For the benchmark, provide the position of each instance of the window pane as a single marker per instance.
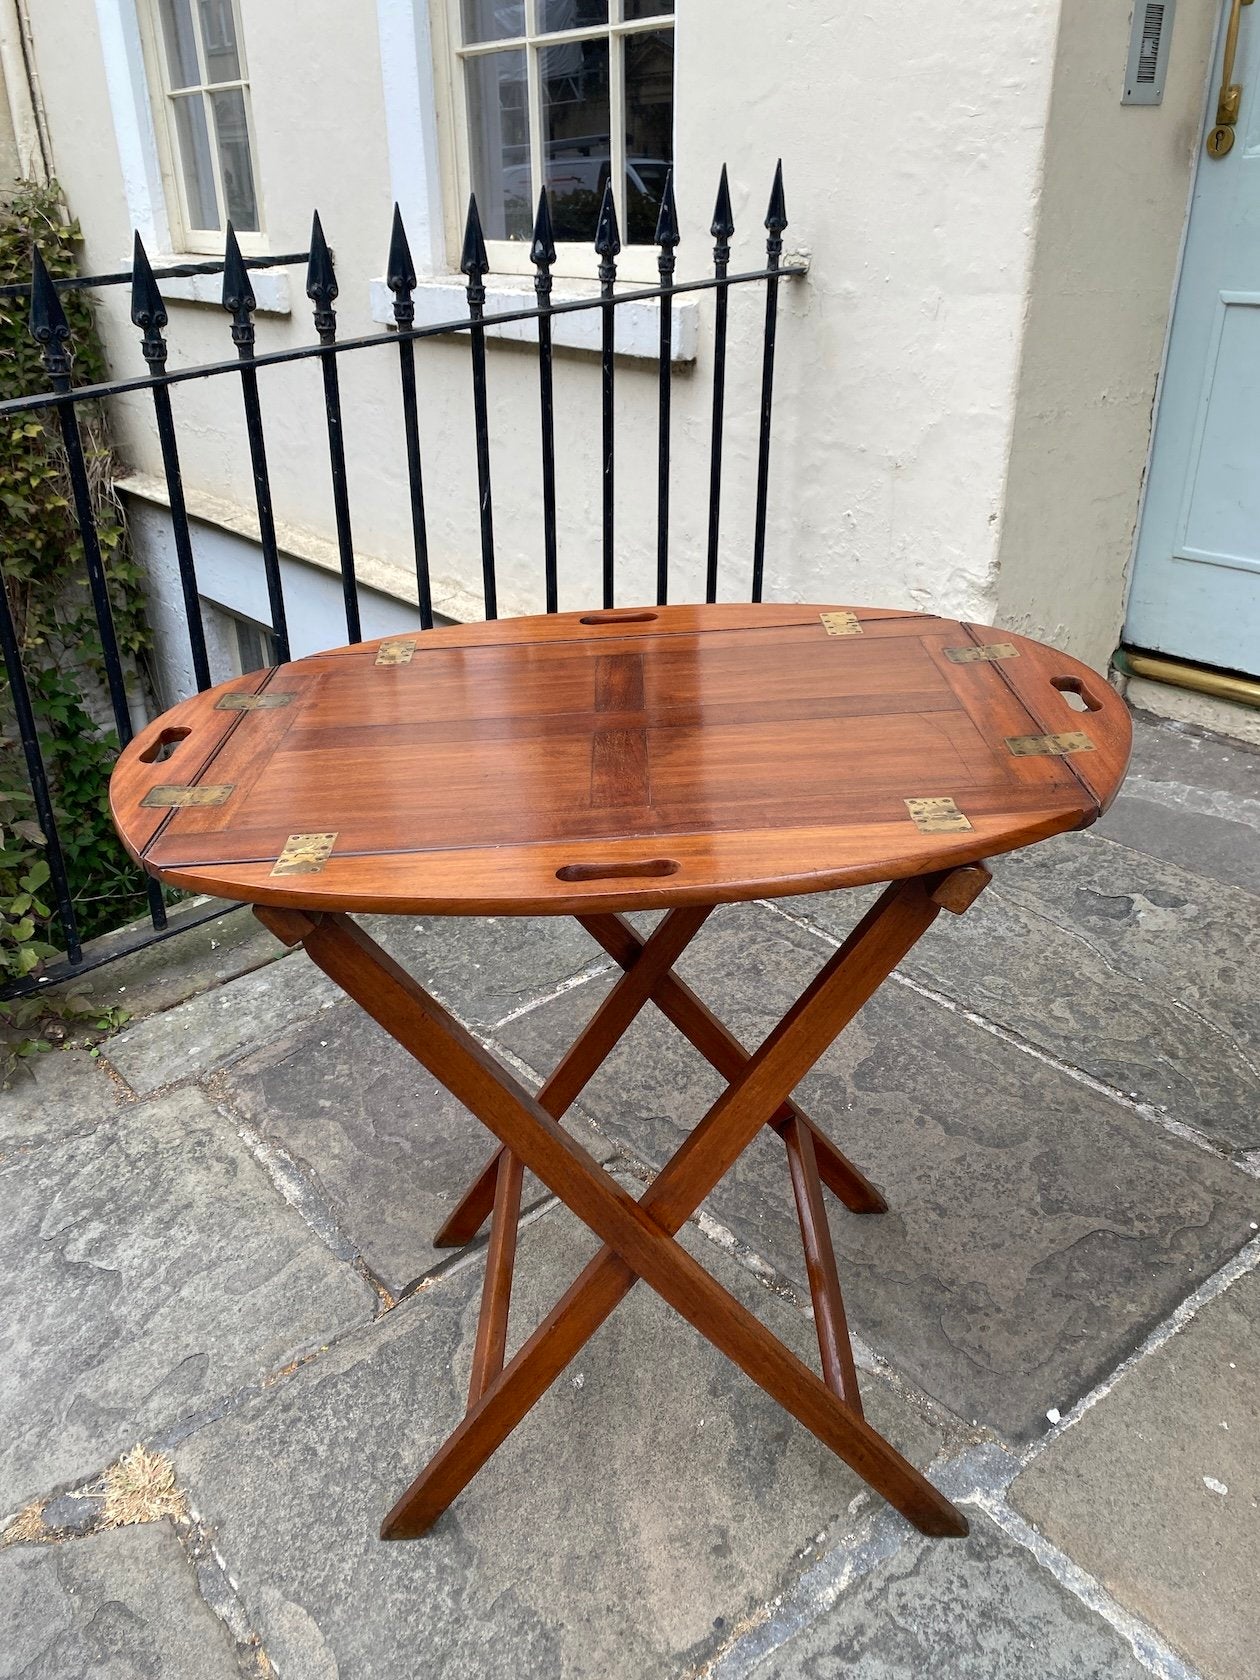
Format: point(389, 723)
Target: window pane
point(181, 48)
point(492, 20)
point(498, 130)
point(570, 14)
point(647, 8)
point(649, 128)
point(576, 134)
point(193, 145)
point(234, 161)
point(218, 41)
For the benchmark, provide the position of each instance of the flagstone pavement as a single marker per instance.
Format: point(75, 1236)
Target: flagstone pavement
point(217, 1242)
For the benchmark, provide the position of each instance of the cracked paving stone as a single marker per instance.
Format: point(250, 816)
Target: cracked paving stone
point(1037, 1229)
point(653, 1489)
point(215, 1028)
point(389, 1148)
point(982, 1608)
point(117, 1606)
point(1156, 1489)
point(151, 1270)
point(1127, 966)
point(484, 967)
point(62, 1094)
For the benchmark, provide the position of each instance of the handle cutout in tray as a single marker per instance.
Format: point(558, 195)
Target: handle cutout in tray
point(613, 617)
point(157, 751)
point(1075, 694)
point(647, 870)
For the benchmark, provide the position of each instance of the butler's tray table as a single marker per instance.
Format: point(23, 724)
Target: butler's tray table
point(673, 758)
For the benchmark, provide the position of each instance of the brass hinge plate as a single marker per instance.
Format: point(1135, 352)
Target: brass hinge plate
point(1049, 746)
point(841, 624)
point(166, 797)
point(937, 816)
point(304, 854)
point(264, 702)
point(396, 653)
point(990, 650)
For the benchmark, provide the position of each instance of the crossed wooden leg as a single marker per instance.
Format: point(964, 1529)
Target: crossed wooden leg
point(638, 1236)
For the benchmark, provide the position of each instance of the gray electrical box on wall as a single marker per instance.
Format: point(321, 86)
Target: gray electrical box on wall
point(1148, 52)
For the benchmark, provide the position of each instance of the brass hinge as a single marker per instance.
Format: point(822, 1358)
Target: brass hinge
point(166, 797)
point(1049, 746)
point(937, 816)
point(990, 650)
point(396, 653)
point(263, 702)
point(304, 854)
point(841, 624)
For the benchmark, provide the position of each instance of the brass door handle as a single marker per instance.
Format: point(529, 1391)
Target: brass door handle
point(1220, 140)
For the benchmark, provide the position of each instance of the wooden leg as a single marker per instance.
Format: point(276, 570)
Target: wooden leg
point(496, 1291)
point(834, 1346)
point(668, 941)
point(639, 1235)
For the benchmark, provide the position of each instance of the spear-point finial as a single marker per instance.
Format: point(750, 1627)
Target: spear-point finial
point(238, 294)
point(607, 233)
point(148, 312)
point(473, 260)
point(723, 225)
point(667, 218)
point(49, 327)
point(542, 252)
point(321, 283)
point(400, 272)
point(776, 215)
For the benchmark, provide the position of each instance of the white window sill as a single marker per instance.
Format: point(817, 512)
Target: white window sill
point(445, 298)
point(271, 286)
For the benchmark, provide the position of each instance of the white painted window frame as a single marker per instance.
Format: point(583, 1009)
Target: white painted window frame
point(636, 262)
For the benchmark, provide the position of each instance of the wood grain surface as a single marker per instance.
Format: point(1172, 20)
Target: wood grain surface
point(621, 760)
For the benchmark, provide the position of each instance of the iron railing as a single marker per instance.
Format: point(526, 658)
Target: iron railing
point(149, 315)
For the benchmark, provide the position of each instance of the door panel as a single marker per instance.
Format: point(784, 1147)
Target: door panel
point(1196, 581)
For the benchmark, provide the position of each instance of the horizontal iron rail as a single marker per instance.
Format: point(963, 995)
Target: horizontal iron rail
point(177, 271)
point(311, 352)
point(111, 947)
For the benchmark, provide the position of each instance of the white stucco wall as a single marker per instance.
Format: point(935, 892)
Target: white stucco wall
point(912, 144)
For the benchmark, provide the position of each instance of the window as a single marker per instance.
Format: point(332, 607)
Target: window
point(203, 87)
point(567, 94)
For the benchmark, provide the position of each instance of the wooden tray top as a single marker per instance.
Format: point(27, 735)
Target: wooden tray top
point(620, 760)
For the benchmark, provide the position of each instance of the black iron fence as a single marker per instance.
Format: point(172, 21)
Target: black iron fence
point(148, 313)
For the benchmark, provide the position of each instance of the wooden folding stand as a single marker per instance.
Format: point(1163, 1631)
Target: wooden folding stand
point(529, 773)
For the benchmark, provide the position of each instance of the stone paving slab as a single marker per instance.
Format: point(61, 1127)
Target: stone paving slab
point(1122, 964)
point(390, 1149)
point(484, 967)
point(150, 1269)
point(1156, 1490)
point(974, 1609)
point(1191, 797)
point(118, 1606)
point(651, 1492)
point(1037, 1228)
point(62, 1094)
point(214, 1028)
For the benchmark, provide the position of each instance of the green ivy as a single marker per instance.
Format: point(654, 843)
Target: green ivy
point(44, 578)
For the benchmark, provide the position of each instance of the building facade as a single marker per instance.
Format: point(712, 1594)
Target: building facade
point(993, 227)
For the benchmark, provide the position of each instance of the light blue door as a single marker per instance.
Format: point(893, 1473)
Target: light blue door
point(1196, 579)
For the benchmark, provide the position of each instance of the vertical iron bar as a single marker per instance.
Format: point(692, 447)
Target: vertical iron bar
point(148, 312)
point(475, 264)
point(51, 331)
point(607, 245)
point(542, 255)
point(722, 229)
point(38, 776)
point(321, 288)
point(776, 221)
point(400, 277)
point(238, 300)
point(667, 239)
